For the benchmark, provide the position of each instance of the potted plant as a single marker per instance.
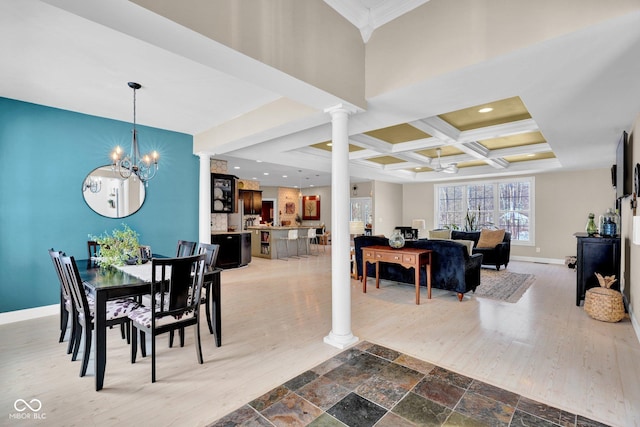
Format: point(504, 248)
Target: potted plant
point(118, 248)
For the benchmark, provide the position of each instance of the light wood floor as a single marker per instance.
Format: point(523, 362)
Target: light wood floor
point(275, 315)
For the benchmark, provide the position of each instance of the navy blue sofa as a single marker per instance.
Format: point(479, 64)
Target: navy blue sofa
point(452, 268)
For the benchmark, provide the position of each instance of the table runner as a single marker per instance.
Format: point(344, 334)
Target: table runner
point(141, 271)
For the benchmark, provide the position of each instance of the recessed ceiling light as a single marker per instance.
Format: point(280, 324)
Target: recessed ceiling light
point(485, 110)
point(236, 167)
point(284, 176)
point(259, 161)
point(266, 173)
point(311, 185)
point(254, 178)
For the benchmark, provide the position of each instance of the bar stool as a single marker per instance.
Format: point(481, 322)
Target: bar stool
point(308, 239)
point(292, 235)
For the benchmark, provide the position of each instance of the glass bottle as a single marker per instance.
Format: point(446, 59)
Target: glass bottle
point(608, 224)
point(591, 228)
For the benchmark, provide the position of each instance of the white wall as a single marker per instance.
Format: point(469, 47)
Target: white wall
point(387, 207)
point(630, 274)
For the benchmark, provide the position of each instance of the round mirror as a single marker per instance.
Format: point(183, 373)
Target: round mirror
point(111, 196)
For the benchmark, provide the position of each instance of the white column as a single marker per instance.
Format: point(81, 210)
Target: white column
point(340, 335)
point(204, 210)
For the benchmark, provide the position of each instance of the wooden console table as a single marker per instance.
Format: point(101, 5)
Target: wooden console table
point(406, 257)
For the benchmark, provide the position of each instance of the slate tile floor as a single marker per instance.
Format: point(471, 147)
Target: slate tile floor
point(370, 385)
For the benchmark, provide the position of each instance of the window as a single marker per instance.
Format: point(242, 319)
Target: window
point(472, 206)
point(361, 209)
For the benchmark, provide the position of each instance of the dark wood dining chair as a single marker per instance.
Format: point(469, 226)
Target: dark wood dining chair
point(67, 309)
point(177, 282)
point(93, 248)
point(145, 253)
point(185, 248)
point(211, 256)
point(117, 310)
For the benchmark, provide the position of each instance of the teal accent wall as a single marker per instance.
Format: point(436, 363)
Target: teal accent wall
point(45, 154)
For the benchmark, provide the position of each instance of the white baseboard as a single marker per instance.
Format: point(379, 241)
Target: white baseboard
point(538, 260)
point(29, 313)
point(634, 322)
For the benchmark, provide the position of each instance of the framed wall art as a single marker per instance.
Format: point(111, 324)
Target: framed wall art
point(311, 208)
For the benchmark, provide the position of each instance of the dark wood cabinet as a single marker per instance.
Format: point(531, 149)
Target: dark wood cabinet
point(235, 249)
point(224, 193)
point(251, 201)
point(596, 255)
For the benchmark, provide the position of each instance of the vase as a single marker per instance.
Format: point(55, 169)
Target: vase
point(396, 240)
point(591, 228)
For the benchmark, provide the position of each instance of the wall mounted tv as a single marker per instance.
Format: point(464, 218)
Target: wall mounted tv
point(623, 167)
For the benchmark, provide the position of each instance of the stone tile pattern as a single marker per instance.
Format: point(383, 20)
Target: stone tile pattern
point(369, 385)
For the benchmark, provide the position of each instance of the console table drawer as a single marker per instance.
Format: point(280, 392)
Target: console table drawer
point(411, 259)
point(368, 254)
point(381, 256)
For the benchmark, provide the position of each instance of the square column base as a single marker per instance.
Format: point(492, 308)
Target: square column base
point(340, 341)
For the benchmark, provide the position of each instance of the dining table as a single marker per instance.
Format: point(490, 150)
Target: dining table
point(111, 283)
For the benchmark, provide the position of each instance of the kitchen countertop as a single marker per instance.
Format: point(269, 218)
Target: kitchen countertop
point(287, 227)
point(228, 232)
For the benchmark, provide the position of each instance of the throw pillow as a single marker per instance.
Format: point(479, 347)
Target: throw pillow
point(468, 243)
point(440, 234)
point(490, 238)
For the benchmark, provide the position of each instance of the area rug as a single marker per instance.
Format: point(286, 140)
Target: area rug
point(503, 285)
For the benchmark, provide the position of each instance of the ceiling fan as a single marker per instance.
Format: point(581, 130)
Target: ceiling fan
point(450, 168)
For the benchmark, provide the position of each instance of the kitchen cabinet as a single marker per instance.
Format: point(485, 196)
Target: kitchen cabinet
point(224, 193)
point(596, 255)
point(235, 249)
point(251, 201)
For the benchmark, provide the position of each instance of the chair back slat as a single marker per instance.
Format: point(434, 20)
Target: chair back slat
point(179, 286)
point(57, 264)
point(76, 287)
point(211, 251)
point(185, 248)
point(145, 253)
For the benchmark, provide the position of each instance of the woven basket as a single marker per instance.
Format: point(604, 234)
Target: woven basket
point(604, 304)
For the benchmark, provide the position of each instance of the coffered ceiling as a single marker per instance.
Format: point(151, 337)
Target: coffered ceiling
point(558, 103)
point(493, 135)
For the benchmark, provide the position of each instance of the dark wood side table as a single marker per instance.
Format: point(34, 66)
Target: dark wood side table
point(596, 255)
point(406, 257)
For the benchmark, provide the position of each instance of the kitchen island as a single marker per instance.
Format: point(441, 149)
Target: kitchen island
point(264, 240)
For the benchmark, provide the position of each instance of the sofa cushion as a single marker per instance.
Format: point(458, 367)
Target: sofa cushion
point(490, 238)
point(440, 234)
point(468, 243)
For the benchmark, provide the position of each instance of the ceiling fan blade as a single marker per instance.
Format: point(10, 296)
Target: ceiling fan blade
point(451, 168)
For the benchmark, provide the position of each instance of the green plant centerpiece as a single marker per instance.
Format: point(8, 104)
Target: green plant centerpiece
point(118, 248)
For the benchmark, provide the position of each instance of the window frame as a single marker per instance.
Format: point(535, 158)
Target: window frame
point(496, 194)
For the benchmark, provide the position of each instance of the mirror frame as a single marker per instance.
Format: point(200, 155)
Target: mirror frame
point(107, 180)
